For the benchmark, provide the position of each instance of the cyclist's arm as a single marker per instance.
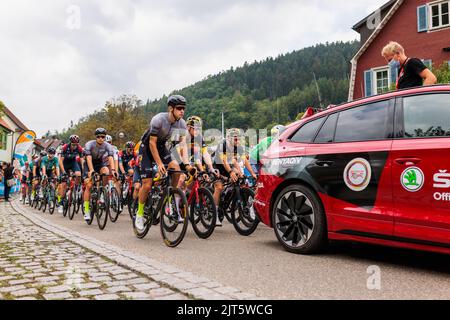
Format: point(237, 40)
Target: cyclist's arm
point(207, 159)
point(61, 165)
point(112, 163)
point(122, 169)
point(89, 163)
point(44, 167)
point(184, 151)
point(249, 167)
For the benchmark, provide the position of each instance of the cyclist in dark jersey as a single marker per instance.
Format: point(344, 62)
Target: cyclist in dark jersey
point(230, 158)
point(125, 158)
point(37, 173)
point(99, 159)
point(153, 150)
point(68, 163)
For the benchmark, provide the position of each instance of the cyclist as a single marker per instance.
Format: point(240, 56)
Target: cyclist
point(99, 159)
point(68, 162)
point(37, 173)
point(197, 148)
point(49, 165)
point(257, 152)
point(24, 179)
point(125, 158)
point(230, 158)
point(109, 140)
point(153, 150)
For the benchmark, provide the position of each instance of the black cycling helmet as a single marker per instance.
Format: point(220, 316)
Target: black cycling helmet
point(74, 139)
point(176, 100)
point(51, 151)
point(130, 145)
point(100, 131)
point(43, 154)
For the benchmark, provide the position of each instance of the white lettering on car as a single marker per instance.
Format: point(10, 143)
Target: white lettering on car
point(442, 180)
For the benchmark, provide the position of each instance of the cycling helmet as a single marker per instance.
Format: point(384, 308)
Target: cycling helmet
point(100, 131)
point(176, 100)
point(74, 139)
point(51, 151)
point(43, 154)
point(130, 145)
point(235, 132)
point(108, 139)
point(195, 122)
point(277, 130)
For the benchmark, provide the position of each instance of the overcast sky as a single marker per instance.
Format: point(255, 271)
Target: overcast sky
point(61, 60)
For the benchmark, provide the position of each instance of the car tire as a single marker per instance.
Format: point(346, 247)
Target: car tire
point(299, 220)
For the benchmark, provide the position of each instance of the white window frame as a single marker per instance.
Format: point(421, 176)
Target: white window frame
point(375, 80)
point(430, 14)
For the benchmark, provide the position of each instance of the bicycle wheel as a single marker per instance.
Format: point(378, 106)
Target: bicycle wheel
point(102, 211)
point(66, 203)
point(203, 214)
point(51, 200)
point(114, 205)
point(148, 216)
point(245, 220)
point(174, 218)
point(73, 204)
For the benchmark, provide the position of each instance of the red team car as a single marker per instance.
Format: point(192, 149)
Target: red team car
point(376, 170)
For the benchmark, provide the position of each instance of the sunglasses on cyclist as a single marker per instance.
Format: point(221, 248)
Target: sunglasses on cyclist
point(180, 108)
point(101, 137)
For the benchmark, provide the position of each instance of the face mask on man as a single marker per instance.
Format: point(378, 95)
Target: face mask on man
point(394, 64)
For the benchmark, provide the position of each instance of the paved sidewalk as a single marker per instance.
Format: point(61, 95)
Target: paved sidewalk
point(40, 260)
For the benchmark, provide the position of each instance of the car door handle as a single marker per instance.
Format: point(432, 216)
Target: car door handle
point(408, 161)
point(324, 163)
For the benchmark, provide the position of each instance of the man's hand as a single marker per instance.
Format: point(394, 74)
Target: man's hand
point(161, 170)
point(233, 176)
point(192, 170)
point(114, 173)
point(90, 173)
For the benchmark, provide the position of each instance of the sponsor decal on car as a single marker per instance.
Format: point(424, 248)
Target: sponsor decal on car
point(412, 179)
point(286, 162)
point(357, 174)
point(441, 181)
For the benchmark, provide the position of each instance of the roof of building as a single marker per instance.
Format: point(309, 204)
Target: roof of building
point(48, 142)
point(383, 7)
point(5, 125)
point(14, 119)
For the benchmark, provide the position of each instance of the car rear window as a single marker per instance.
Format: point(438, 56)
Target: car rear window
point(365, 123)
point(427, 116)
point(307, 132)
point(326, 134)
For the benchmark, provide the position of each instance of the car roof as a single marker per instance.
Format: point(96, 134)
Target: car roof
point(371, 99)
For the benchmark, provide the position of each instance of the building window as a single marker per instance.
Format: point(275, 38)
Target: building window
point(440, 15)
point(382, 81)
point(3, 139)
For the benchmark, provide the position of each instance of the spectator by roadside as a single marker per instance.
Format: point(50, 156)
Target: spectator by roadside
point(8, 179)
point(411, 71)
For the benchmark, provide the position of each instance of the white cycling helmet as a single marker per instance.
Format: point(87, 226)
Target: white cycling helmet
point(108, 139)
point(277, 130)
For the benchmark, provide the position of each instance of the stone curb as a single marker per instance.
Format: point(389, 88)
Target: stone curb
point(185, 282)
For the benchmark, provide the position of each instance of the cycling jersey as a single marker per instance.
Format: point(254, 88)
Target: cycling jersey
point(260, 149)
point(49, 164)
point(161, 128)
point(70, 154)
point(99, 153)
point(126, 159)
point(229, 151)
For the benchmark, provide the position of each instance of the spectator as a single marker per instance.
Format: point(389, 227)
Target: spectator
point(8, 178)
point(411, 71)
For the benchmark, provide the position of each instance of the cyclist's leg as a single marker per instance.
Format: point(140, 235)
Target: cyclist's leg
point(146, 171)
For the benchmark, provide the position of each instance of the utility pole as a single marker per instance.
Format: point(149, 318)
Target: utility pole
point(318, 91)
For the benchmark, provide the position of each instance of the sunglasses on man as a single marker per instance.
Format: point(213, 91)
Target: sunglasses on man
point(101, 137)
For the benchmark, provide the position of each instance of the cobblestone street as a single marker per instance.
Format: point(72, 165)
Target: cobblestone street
point(37, 264)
